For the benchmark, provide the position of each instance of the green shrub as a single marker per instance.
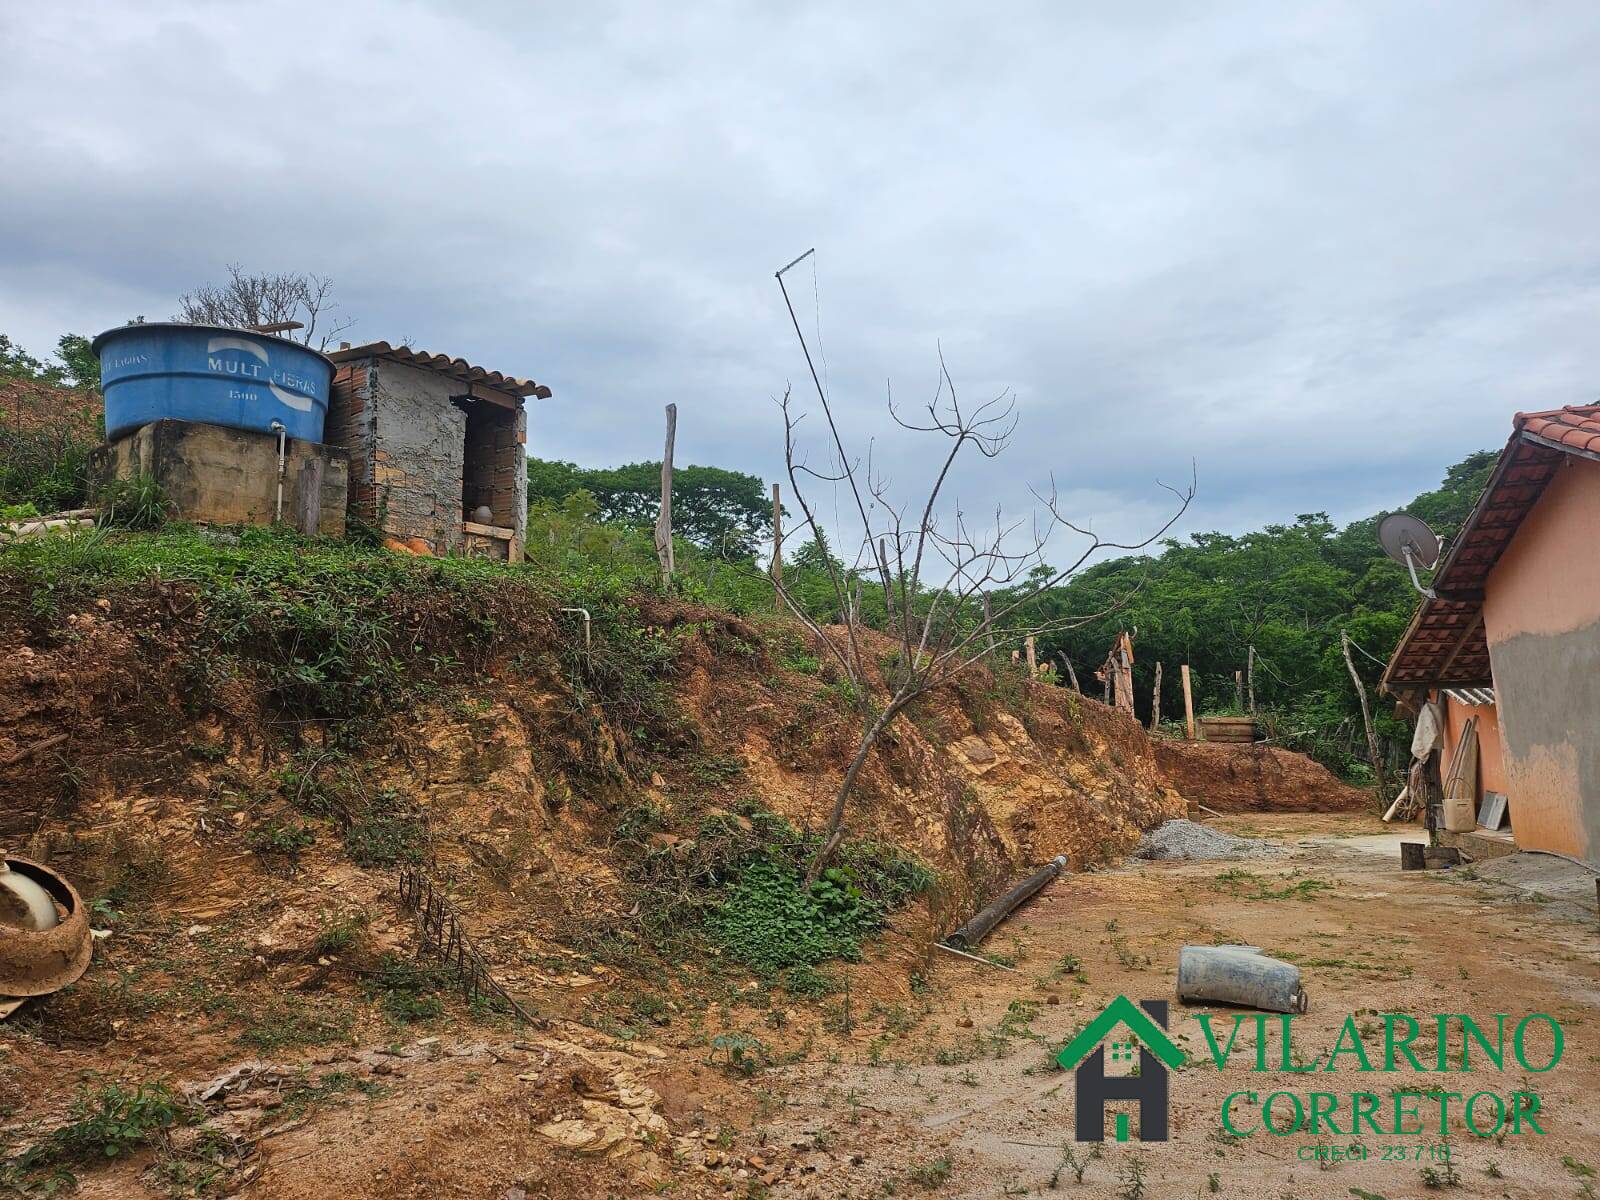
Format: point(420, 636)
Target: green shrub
point(740, 1053)
point(137, 502)
point(769, 920)
point(384, 838)
point(106, 1122)
point(282, 840)
point(408, 991)
point(805, 982)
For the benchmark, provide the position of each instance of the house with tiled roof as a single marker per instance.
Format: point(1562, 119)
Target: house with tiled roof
point(1511, 634)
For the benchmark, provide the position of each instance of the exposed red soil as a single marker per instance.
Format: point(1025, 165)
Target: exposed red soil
point(1246, 778)
point(29, 408)
point(164, 788)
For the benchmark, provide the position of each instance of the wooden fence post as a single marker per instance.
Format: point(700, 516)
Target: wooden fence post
point(777, 550)
point(1250, 679)
point(1071, 674)
point(1124, 660)
point(664, 521)
point(1188, 702)
point(1155, 701)
point(1033, 663)
point(1366, 717)
point(1238, 690)
point(987, 627)
point(888, 584)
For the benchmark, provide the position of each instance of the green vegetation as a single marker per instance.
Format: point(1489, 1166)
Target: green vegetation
point(769, 920)
point(327, 630)
point(739, 1053)
point(47, 430)
point(296, 1021)
point(723, 512)
point(931, 1174)
point(1287, 590)
point(738, 886)
point(133, 503)
point(105, 1122)
point(408, 991)
point(76, 366)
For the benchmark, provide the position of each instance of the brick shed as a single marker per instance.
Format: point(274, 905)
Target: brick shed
point(437, 448)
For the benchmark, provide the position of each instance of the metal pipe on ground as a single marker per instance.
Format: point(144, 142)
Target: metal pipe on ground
point(975, 930)
point(1239, 975)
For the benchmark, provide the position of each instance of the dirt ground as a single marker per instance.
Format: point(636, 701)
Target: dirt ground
point(954, 1093)
point(969, 1103)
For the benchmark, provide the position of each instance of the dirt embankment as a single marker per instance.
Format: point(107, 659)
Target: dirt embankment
point(246, 921)
point(31, 408)
point(1245, 778)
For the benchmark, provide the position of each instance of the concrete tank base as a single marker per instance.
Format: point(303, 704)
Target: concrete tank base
point(216, 475)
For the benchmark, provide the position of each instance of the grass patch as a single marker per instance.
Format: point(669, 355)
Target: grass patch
point(294, 1021)
point(738, 887)
point(105, 1122)
point(408, 991)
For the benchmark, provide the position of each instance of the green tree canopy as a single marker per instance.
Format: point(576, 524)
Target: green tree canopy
point(725, 512)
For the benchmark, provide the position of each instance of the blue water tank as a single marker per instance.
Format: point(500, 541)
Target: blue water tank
point(211, 374)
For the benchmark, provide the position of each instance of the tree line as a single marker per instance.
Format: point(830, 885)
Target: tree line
point(1205, 599)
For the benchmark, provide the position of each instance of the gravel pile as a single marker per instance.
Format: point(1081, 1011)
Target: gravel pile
point(1188, 839)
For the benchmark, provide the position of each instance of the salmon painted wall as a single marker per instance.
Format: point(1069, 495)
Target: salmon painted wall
point(1491, 765)
point(1542, 617)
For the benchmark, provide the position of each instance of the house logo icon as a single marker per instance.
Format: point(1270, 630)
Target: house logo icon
point(1142, 1026)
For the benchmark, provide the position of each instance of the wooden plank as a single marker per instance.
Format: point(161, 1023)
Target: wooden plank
point(1155, 701)
point(664, 520)
point(777, 548)
point(1366, 717)
point(1188, 702)
point(310, 496)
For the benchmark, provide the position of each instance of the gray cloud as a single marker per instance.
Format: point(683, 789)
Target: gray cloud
point(1321, 250)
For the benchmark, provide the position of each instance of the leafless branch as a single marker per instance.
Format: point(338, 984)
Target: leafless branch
point(938, 569)
point(246, 300)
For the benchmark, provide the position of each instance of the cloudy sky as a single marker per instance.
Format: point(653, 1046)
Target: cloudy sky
point(1322, 250)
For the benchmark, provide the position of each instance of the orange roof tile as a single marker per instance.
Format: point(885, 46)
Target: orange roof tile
point(1444, 643)
point(1576, 428)
point(456, 368)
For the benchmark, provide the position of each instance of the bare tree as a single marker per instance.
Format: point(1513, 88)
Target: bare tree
point(935, 568)
point(247, 300)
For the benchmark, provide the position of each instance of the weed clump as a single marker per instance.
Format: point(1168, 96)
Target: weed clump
point(769, 920)
point(105, 1123)
point(739, 885)
point(408, 991)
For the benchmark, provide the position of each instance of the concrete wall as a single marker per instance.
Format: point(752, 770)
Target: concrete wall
point(416, 463)
point(224, 476)
point(1491, 758)
point(408, 440)
point(1542, 618)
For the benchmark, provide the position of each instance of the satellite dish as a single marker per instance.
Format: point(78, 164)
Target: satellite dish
point(1410, 542)
point(1400, 532)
